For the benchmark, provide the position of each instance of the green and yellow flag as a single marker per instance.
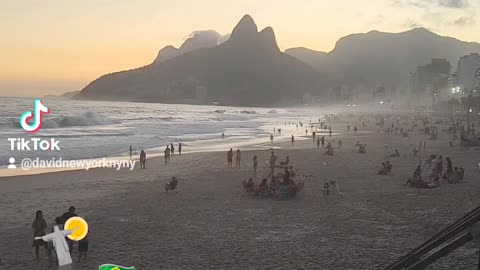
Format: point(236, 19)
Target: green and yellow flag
point(109, 266)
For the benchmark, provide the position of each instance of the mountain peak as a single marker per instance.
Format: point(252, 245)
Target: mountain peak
point(267, 38)
point(246, 27)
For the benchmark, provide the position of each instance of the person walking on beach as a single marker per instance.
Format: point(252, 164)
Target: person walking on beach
point(223, 135)
point(271, 138)
point(39, 225)
point(330, 131)
point(180, 148)
point(255, 165)
point(323, 141)
point(230, 158)
point(313, 135)
point(131, 152)
point(293, 139)
point(143, 159)
point(172, 149)
point(238, 159)
point(318, 142)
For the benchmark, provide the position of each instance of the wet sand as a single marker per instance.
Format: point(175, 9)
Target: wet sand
point(212, 224)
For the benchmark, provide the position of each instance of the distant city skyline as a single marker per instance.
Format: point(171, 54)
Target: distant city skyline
point(51, 47)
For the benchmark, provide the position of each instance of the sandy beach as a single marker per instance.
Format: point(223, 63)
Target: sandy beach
point(211, 223)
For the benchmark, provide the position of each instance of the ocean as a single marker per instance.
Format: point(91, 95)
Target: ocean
point(97, 129)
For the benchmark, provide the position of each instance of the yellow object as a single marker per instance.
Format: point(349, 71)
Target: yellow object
point(79, 227)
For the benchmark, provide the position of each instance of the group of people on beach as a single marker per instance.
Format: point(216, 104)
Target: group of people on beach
point(238, 158)
point(167, 153)
point(39, 227)
point(435, 164)
point(281, 185)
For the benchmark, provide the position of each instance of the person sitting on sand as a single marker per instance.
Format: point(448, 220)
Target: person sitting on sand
point(362, 149)
point(383, 170)
point(249, 185)
point(388, 167)
point(329, 151)
point(326, 189)
point(357, 144)
point(286, 162)
point(293, 174)
point(396, 154)
point(172, 185)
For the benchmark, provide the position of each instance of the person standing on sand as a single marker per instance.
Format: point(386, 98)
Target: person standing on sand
point(223, 135)
point(39, 225)
point(143, 159)
point(166, 155)
point(323, 141)
point(131, 152)
point(273, 161)
point(238, 159)
point(255, 165)
point(271, 138)
point(172, 149)
point(318, 142)
point(293, 139)
point(180, 148)
point(330, 131)
point(313, 135)
point(230, 158)
point(63, 218)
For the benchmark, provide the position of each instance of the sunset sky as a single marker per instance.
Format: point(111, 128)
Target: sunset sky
point(55, 46)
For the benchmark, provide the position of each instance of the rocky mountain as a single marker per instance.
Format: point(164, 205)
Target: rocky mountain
point(388, 58)
point(248, 69)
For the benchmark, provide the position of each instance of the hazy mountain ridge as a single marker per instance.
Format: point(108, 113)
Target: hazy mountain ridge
point(387, 58)
point(198, 40)
point(248, 69)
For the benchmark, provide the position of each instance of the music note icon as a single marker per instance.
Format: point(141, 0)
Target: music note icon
point(38, 110)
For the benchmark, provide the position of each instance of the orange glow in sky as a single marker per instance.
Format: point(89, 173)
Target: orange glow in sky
point(56, 46)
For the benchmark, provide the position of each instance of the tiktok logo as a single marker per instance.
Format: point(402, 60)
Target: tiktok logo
point(38, 110)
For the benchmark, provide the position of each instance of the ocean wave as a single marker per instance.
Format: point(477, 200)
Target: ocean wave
point(272, 111)
point(83, 119)
point(220, 111)
point(248, 112)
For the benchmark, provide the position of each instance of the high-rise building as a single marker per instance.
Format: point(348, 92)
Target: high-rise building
point(431, 80)
point(467, 66)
